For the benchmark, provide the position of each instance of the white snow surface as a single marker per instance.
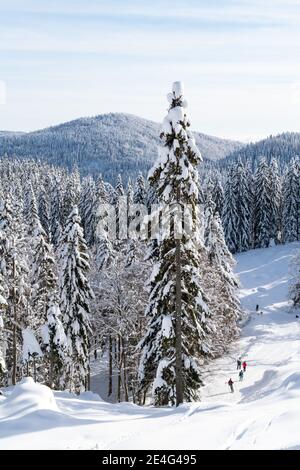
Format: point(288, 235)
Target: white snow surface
point(2, 301)
point(30, 345)
point(262, 413)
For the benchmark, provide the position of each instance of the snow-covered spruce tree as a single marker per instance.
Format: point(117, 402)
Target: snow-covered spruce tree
point(222, 284)
point(209, 187)
point(45, 302)
point(262, 215)
point(129, 193)
point(55, 213)
point(230, 214)
point(43, 210)
point(237, 212)
point(179, 319)
point(291, 203)
point(218, 197)
point(103, 246)
point(209, 212)
point(276, 201)
point(119, 189)
point(75, 294)
point(118, 201)
point(140, 192)
point(54, 344)
point(86, 209)
point(33, 222)
point(72, 194)
point(101, 191)
point(14, 274)
point(243, 202)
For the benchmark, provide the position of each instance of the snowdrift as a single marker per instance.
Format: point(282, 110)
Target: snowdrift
point(26, 397)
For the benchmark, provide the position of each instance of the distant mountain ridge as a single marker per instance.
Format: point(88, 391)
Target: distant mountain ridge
point(108, 144)
point(283, 147)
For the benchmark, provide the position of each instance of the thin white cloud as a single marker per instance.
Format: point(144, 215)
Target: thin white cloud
point(2, 92)
point(240, 10)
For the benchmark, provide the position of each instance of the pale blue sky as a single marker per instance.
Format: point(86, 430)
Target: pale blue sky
point(239, 60)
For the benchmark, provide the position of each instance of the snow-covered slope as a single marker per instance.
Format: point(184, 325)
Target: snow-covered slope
point(262, 413)
point(108, 144)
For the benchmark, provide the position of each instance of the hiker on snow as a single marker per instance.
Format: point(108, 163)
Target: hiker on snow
point(230, 383)
point(244, 366)
point(241, 375)
point(238, 363)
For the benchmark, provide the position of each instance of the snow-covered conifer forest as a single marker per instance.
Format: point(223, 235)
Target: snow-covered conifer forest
point(74, 296)
point(103, 290)
point(149, 229)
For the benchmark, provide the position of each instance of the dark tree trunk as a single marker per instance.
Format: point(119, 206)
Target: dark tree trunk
point(178, 305)
point(125, 384)
point(119, 359)
point(110, 362)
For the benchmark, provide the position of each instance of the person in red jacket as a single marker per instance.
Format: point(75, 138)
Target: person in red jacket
point(244, 366)
point(230, 383)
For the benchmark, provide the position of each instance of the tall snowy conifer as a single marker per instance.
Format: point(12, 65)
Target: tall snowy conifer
point(218, 197)
point(243, 202)
point(291, 203)
point(179, 319)
point(72, 194)
point(14, 272)
point(230, 214)
point(55, 213)
point(43, 210)
point(263, 230)
point(86, 208)
point(46, 309)
point(140, 193)
point(75, 293)
point(222, 285)
point(276, 202)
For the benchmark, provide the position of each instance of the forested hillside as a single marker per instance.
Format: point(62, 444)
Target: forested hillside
point(109, 144)
point(282, 147)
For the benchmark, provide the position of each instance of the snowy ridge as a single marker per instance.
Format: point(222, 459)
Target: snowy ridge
point(283, 147)
point(262, 413)
point(108, 144)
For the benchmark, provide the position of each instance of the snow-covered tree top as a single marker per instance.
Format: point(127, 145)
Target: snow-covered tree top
point(179, 156)
point(178, 89)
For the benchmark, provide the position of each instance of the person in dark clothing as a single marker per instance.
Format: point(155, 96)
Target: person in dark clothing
point(241, 375)
point(257, 307)
point(244, 366)
point(230, 383)
point(238, 363)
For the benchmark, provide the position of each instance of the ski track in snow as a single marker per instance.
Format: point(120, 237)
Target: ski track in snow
point(262, 413)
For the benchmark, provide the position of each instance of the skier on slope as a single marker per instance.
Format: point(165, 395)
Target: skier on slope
point(244, 366)
point(241, 375)
point(257, 307)
point(238, 363)
point(230, 383)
